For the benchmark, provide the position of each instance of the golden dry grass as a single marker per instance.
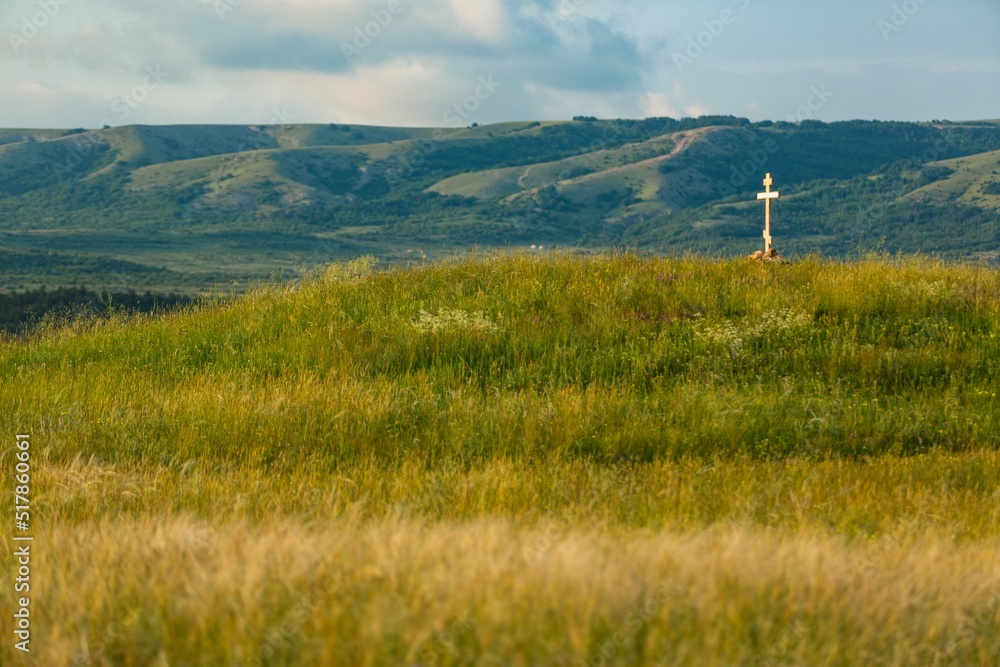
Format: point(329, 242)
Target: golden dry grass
point(400, 591)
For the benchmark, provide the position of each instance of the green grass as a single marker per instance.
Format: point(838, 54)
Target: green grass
point(523, 460)
point(968, 184)
point(500, 183)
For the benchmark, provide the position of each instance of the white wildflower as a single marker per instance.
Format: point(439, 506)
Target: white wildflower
point(772, 324)
point(924, 289)
point(447, 319)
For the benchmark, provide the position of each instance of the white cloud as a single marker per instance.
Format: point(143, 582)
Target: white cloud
point(554, 104)
point(658, 104)
point(697, 109)
point(607, 58)
point(483, 19)
point(310, 15)
point(386, 94)
point(827, 65)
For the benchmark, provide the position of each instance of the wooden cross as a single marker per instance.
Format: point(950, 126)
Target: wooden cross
point(767, 196)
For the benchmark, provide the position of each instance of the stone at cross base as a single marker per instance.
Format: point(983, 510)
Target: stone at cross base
point(771, 256)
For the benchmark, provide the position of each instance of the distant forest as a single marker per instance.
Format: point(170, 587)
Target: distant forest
point(19, 311)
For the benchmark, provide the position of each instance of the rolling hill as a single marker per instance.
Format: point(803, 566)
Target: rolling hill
point(186, 207)
point(520, 459)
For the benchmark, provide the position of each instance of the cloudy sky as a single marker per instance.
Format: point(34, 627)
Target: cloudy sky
point(83, 63)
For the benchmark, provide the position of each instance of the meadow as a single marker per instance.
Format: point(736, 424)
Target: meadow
point(520, 459)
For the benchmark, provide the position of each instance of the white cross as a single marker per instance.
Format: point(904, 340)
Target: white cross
point(767, 196)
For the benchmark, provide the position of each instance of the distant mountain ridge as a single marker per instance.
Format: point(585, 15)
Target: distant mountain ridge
point(182, 207)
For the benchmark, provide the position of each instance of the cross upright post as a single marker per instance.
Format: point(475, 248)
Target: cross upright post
point(767, 196)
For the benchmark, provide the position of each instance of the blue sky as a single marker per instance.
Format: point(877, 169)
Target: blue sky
point(83, 63)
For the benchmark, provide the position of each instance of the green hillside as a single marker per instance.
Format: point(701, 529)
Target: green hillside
point(188, 207)
point(520, 460)
point(974, 182)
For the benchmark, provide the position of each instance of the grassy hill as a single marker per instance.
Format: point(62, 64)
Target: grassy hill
point(521, 460)
point(183, 208)
point(974, 181)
